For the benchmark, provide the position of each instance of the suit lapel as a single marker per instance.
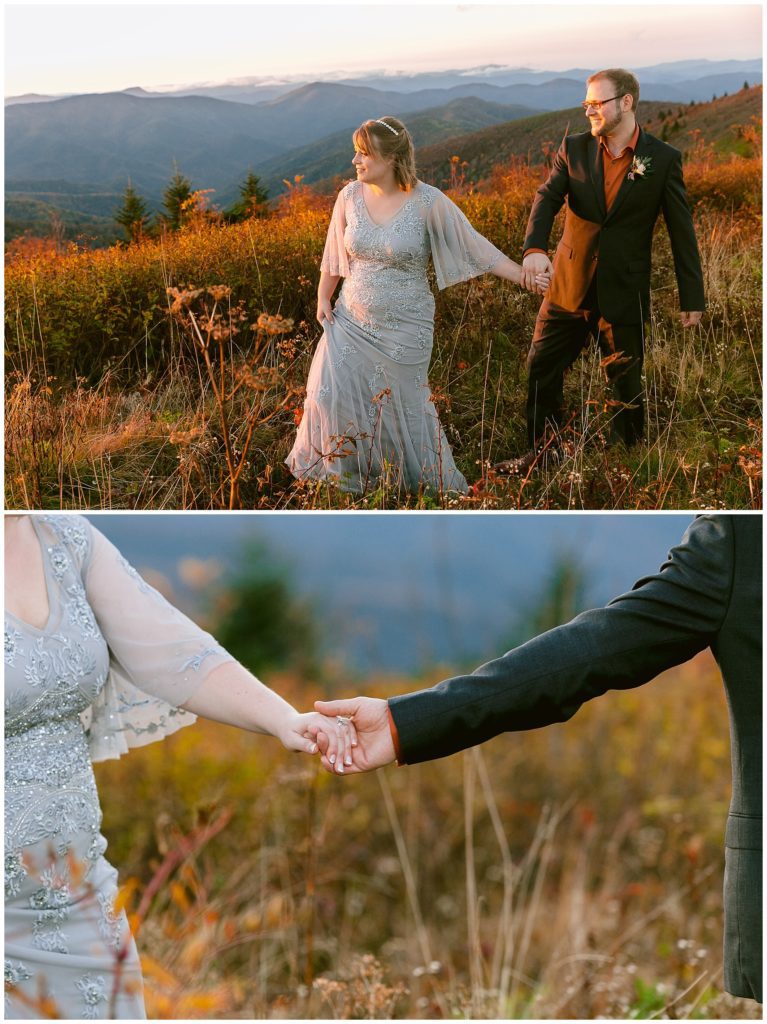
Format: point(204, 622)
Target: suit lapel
point(627, 184)
point(597, 173)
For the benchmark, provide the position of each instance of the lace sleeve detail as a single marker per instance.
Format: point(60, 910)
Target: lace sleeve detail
point(158, 657)
point(335, 259)
point(74, 533)
point(458, 251)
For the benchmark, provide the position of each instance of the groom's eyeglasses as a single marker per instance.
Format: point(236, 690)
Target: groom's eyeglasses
point(598, 104)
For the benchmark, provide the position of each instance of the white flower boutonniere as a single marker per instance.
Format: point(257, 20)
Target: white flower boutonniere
point(641, 167)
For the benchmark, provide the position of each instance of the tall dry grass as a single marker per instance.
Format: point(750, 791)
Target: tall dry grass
point(112, 404)
point(573, 872)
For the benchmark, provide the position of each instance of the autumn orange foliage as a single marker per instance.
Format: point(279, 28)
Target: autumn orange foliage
point(592, 852)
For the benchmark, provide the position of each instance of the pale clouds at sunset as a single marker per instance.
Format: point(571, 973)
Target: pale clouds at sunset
point(79, 48)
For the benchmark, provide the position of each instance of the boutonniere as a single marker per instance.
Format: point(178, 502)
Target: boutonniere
point(641, 167)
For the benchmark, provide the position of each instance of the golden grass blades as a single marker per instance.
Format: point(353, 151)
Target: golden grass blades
point(573, 872)
point(120, 395)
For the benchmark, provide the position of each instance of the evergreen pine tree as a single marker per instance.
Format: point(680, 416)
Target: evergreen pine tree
point(251, 203)
point(261, 619)
point(133, 215)
point(179, 189)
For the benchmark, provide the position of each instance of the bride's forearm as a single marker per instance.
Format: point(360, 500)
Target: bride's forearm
point(508, 270)
point(233, 696)
point(327, 286)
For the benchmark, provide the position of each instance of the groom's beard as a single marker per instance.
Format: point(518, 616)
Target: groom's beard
point(606, 127)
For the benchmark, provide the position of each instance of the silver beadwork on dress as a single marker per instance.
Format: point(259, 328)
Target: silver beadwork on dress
point(367, 382)
point(108, 672)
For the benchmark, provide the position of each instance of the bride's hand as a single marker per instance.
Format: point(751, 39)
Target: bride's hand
point(324, 311)
point(542, 282)
point(535, 282)
point(301, 733)
point(536, 272)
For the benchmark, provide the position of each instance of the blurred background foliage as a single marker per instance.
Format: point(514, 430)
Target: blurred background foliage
point(572, 872)
point(260, 619)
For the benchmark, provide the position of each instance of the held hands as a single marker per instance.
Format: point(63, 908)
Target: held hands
point(373, 746)
point(536, 272)
point(312, 732)
point(351, 736)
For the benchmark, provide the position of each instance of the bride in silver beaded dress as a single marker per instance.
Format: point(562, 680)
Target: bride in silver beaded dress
point(368, 401)
point(96, 661)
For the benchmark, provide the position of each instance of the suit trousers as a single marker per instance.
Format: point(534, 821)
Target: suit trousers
point(558, 339)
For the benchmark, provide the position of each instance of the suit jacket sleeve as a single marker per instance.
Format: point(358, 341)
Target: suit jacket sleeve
point(676, 213)
point(663, 621)
point(548, 201)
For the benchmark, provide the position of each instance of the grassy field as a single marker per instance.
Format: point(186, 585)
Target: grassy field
point(573, 872)
point(114, 401)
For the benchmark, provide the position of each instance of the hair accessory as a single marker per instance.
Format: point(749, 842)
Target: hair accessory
point(392, 130)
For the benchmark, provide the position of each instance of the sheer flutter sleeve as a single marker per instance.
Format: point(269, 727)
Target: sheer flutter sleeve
point(158, 657)
point(458, 251)
point(334, 258)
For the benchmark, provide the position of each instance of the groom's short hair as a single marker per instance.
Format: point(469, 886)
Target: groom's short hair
point(624, 82)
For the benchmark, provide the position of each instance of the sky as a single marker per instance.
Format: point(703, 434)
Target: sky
point(66, 48)
point(400, 590)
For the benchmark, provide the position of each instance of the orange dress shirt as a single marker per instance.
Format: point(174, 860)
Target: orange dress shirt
point(614, 169)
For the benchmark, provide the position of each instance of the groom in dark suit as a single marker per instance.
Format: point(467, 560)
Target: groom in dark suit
point(615, 180)
point(708, 593)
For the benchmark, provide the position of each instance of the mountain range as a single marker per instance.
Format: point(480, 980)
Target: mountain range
point(331, 156)
point(681, 74)
point(74, 155)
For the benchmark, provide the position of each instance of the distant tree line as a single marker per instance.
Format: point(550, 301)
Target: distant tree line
point(183, 205)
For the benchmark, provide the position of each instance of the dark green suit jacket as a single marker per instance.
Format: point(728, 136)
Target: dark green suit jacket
point(707, 594)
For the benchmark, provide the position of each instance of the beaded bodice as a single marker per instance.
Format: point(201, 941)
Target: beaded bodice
point(388, 263)
point(110, 669)
point(51, 676)
point(400, 243)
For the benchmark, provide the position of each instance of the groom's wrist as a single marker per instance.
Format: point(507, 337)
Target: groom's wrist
point(394, 736)
point(528, 252)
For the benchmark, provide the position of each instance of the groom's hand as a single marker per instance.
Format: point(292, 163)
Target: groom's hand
point(691, 319)
point(375, 746)
point(535, 264)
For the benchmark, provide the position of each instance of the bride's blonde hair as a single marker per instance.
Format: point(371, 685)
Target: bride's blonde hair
point(374, 138)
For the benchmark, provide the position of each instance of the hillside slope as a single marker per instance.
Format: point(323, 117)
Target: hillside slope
point(332, 155)
point(526, 139)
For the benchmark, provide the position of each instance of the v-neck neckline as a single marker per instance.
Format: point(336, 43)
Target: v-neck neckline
point(47, 625)
point(394, 216)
